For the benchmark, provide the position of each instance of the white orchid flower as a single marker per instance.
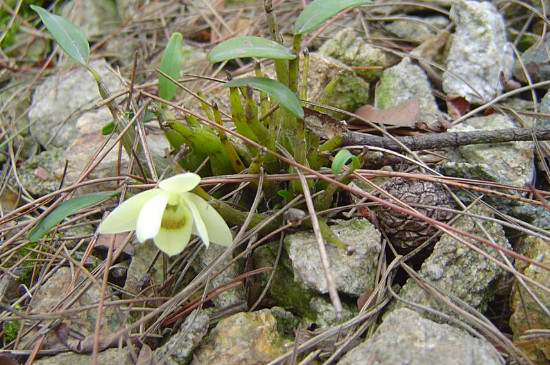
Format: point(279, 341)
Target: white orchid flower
point(169, 214)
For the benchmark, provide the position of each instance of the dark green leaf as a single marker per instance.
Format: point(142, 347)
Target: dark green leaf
point(64, 209)
point(240, 47)
point(171, 65)
point(320, 10)
point(69, 37)
point(341, 158)
point(273, 88)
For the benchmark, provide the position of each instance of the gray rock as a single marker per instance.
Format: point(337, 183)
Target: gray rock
point(326, 316)
point(60, 100)
point(526, 312)
point(350, 91)
point(96, 18)
point(283, 289)
point(229, 297)
point(347, 47)
point(479, 52)
point(286, 321)
point(87, 139)
point(507, 163)
point(109, 356)
point(460, 271)
point(405, 338)
point(179, 348)
point(243, 338)
point(406, 81)
point(353, 274)
point(418, 29)
point(139, 276)
point(37, 174)
point(54, 290)
point(535, 60)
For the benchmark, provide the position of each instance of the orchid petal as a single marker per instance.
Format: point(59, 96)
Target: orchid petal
point(124, 217)
point(173, 241)
point(218, 231)
point(180, 183)
point(200, 228)
point(150, 217)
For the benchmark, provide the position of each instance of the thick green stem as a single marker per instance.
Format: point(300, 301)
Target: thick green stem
point(234, 158)
point(294, 65)
point(236, 216)
point(251, 113)
point(239, 119)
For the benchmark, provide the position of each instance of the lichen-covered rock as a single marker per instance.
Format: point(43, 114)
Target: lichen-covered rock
point(535, 60)
point(418, 29)
point(353, 273)
point(350, 91)
point(229, 297)
point(509, 163)
point(96, 18)
point(479, 52)
point(404, 230)
point(179, 348)
point(37, 174)
point(526, 312)
point(60, 99)
point(140, 275)
point(242, 339)
point(52, 293)
point(109, 356)
point(348, 47)
point(403, 82)
point(405, 338)
point(457, 269)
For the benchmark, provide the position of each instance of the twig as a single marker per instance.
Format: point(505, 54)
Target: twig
point(447, 139)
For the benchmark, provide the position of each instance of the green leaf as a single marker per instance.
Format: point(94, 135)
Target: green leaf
point(285, 194)
point(248, 46)
point(69, 37)
point(273, 88)
point(108, 129)
point(171, 65)
point(341, 158)
point(65, 209)
point(320, 10)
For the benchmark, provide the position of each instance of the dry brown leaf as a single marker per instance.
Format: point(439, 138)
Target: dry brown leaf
point(457, 106)
point(402, 115)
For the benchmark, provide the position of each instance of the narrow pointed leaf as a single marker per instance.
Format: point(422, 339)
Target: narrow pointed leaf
point(171, 65)
point(249, 46)
point(65, 209)
point(341, 158)
point(320, 10)
point(273, 88)
point(69, 37)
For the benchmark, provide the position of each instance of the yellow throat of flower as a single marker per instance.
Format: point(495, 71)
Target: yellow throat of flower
point(174, 217)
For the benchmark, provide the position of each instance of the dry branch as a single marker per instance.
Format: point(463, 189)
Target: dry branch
point(447, 139)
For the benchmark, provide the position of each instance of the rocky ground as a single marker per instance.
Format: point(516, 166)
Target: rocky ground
point(473, 291)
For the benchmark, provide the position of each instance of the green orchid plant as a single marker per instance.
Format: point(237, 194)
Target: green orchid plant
point(168, 215)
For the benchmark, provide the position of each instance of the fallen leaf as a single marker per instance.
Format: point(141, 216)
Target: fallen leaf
point(457, 106)
point(104, 241)
point(402, 115)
